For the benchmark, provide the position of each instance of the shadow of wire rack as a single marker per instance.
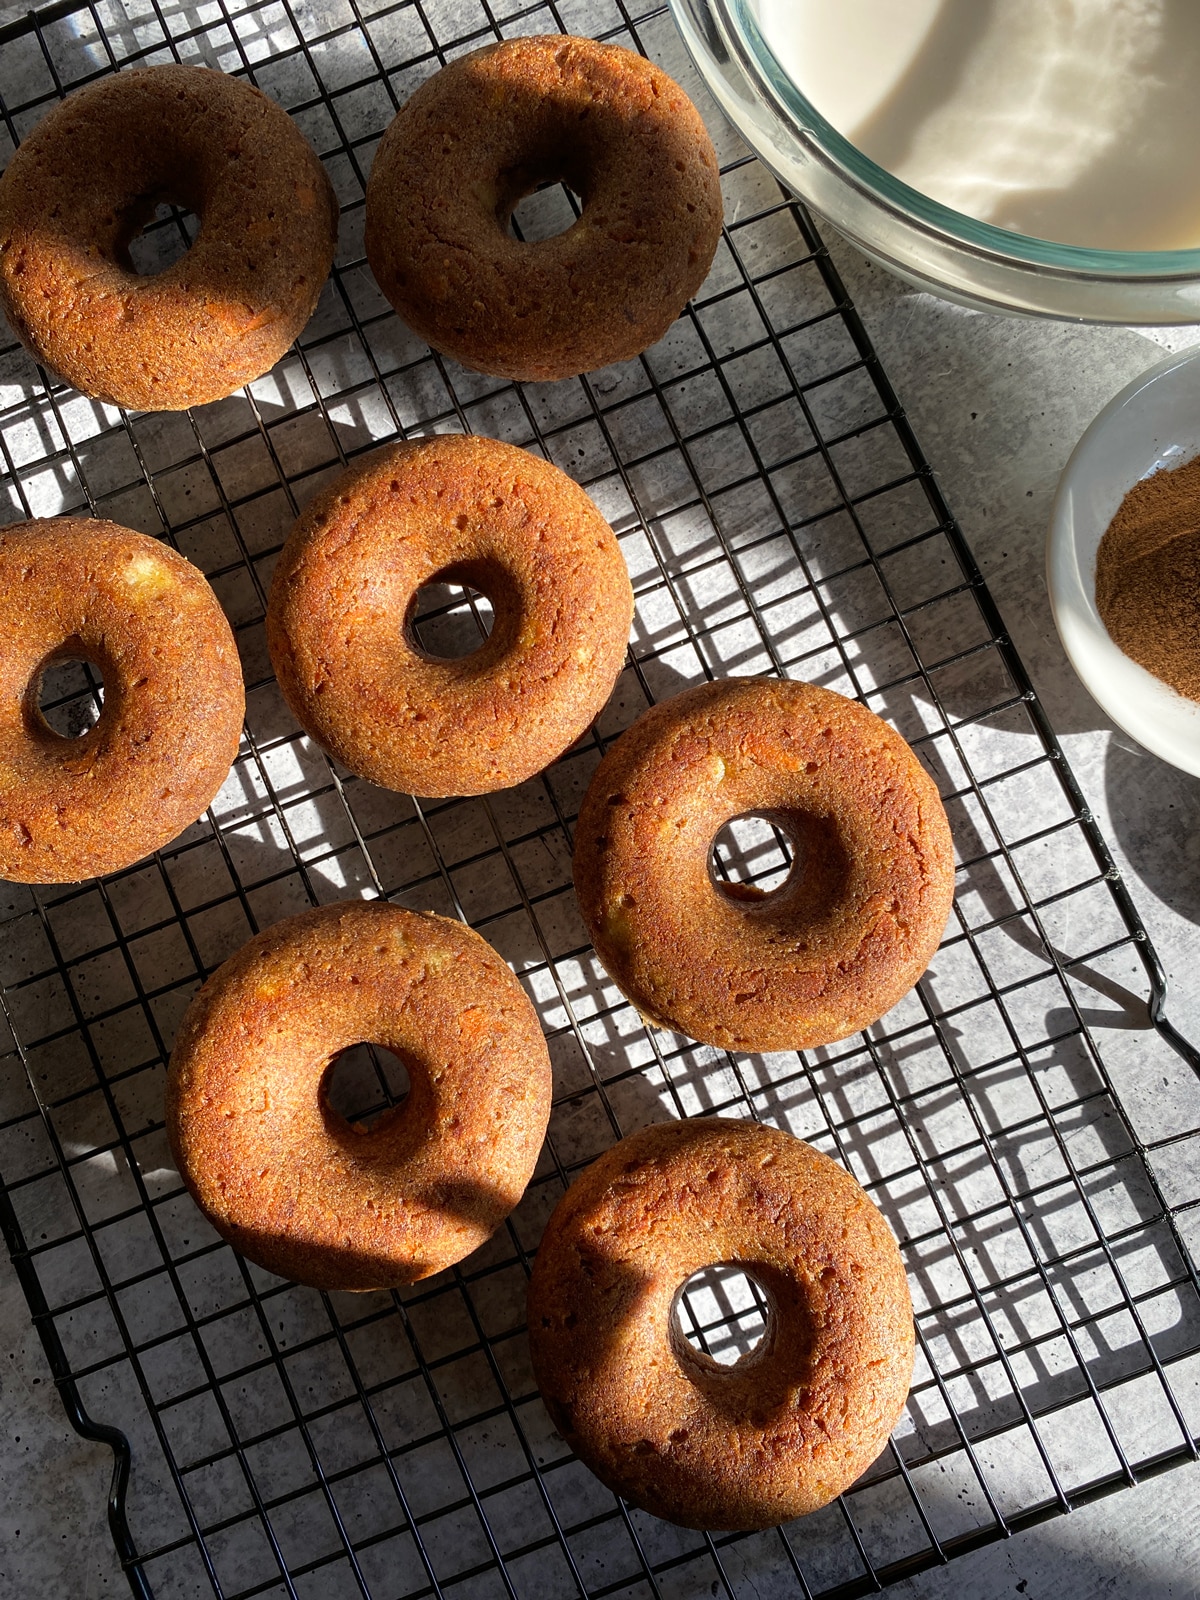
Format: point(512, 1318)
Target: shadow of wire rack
point(777, 516)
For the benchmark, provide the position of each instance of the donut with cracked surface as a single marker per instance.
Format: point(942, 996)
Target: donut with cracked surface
point(792, 1424)
point(453, 508)
point(77, 588)
point(292, 1184)
point(843, 938)
point(85, 181)
point(490, 128)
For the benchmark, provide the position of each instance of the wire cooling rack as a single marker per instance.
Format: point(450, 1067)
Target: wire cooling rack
point(777, 517)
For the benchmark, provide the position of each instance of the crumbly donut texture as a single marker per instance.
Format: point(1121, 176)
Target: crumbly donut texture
point(849, 931)
point(460, 509)
point(491, 127)
point(297, 1188)
point(88, 177)
point(76, 588)
point(788, 1427)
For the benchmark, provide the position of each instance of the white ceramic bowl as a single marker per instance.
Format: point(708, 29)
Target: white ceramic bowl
point(1153, 423)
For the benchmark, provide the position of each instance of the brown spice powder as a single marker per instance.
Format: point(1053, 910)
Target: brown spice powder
point(1148, 577)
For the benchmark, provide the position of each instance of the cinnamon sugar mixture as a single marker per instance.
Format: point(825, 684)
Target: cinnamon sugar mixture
point(1148, 577)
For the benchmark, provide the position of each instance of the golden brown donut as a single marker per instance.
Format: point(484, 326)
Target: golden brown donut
point(789, 1426)
point(293, 1185)
point(849, 931)
point(73, 588)
point(490, 128)
point(449, 509)
point(83, 184)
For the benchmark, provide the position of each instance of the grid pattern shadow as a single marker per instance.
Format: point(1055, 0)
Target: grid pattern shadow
point(777, 517)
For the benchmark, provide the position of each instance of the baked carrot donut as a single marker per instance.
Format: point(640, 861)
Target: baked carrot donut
point(449, 509)
point(495, 125)
point(848, 932)
point(293, 1185)
point(73, 588)
point(793, 1423)
point(83, 184)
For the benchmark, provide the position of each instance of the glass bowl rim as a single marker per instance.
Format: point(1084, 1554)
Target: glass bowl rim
point(915, 208)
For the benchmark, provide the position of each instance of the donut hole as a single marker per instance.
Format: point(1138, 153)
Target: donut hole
point(792, 867)
point(544, 212)
point(364, 1086)
point(452, 615)
point(721, 1313)
point(69, 697)
point(752, 856)
point(166, 236)
point(450, 620)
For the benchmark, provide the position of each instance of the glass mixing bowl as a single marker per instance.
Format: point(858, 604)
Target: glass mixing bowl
point(926, 243)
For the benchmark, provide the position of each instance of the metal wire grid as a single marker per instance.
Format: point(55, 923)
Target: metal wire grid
point(777, 516)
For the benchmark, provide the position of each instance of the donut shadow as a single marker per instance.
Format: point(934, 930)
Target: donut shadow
point(346, 1268)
